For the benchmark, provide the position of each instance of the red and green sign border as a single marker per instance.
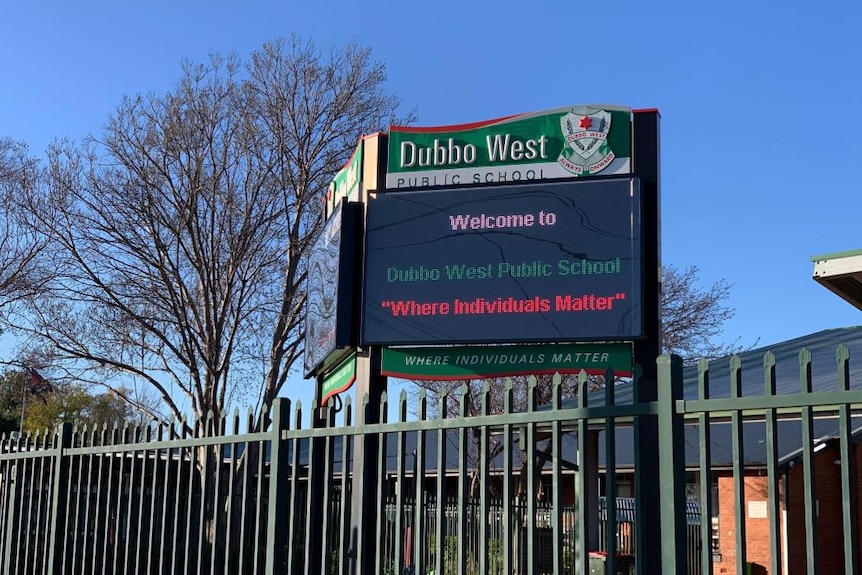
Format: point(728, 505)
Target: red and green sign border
point(339, 380)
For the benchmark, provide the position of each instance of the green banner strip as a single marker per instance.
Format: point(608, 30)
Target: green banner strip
point(339, 380)
point(443, 363)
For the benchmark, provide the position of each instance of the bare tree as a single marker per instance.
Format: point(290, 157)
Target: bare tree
point(18, 245)
point(693, 317)
point(179, 236)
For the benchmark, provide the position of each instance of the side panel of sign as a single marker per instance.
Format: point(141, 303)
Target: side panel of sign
point(332, 263)
point(346, 185)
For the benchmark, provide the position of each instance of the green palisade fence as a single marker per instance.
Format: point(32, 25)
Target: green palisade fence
point(540, 488)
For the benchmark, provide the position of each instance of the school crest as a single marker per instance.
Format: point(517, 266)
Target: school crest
point(585, 131)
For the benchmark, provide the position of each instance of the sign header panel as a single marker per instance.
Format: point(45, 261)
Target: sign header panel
point(554, 262)
point(567, 142)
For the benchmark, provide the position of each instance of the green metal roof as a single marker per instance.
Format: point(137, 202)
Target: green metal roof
point(822, 345)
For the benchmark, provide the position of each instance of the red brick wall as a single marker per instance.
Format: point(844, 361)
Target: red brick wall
point(756, 529)
point(829, 526)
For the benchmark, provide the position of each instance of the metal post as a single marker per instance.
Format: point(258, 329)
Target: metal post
point(59, 490)
point(672, 466)
point(277, 517)
point(645, 158)
point(317, 506)
point(364, 506)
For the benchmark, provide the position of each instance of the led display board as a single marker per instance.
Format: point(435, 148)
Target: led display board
point(330, 328)
point(549, 262)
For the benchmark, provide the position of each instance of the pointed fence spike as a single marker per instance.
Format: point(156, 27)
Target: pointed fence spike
point(735, 376)
point(557, 391)
point(582, 389)
point(384, 408)
point(443, 406)
point(842, 357)
point(805, 370)
point(422, 406)
point(769, 373)
point(297, 415)
point(347, 409)
point(464, 400)
point(508, 395)
point(402, 406)
point(486, 397)
point(703, 379)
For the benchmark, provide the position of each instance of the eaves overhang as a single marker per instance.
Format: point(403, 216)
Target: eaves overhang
point(841, 273)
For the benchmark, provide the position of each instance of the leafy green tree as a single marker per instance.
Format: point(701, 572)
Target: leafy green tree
point(11, 391)
point(26, 396)
point(77, 406)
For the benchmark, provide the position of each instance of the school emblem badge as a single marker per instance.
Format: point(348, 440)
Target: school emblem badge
point(586, 133)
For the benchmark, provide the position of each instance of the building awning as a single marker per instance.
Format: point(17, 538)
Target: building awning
point(841, 273)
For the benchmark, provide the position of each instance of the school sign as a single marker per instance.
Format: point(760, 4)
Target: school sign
point(569, 142)
point(346, 182)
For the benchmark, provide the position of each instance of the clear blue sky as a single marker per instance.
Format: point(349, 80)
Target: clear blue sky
point(761, 138)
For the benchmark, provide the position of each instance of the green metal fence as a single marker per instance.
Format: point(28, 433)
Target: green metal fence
point(134, 500)
point(521, 487)
point(499, 536)
point(784, 485)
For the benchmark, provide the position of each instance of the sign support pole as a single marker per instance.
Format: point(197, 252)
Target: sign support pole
point(365, 506)
point(645, 156)
point(370, 384)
